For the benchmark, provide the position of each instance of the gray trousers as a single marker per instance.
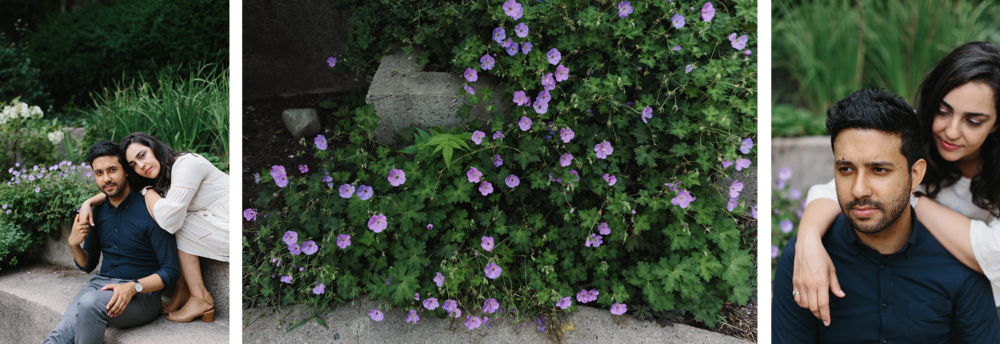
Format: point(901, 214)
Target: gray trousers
point(87, 316)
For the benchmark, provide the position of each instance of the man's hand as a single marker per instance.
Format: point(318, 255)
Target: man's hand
point(80, 230)
point(121, 298)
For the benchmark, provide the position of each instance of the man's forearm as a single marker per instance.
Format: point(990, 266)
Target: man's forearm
point(79, 255)
point(151, 283)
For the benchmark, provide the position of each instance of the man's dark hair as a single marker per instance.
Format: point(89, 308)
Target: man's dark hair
point(880, 110)
point(103, 148)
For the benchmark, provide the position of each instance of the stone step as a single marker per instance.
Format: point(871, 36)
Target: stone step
point(404, 95)
point(33, 298)
point(215, 273)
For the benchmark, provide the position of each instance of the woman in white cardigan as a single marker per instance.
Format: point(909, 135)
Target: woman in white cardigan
point(195, 210)
point(958, 108)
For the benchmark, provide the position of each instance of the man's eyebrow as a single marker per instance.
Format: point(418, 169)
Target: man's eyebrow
point(867, 164)
point(970, 114)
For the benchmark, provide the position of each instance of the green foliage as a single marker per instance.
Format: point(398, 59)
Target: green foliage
point(14, 242)
point(26, 137)
point(20, 76)
point(789, 121)
point(788, 207)
point(657, 254)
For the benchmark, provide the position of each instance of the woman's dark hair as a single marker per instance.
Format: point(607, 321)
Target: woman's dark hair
point(877, 109)
point(161, 152)
point(972, 62)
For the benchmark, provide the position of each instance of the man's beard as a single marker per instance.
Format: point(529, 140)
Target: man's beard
point(890, 213)
point(119, 187)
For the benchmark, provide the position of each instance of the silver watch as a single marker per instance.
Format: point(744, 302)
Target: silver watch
point(138, 287)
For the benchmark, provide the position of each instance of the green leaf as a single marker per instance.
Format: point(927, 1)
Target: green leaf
point(326, 104)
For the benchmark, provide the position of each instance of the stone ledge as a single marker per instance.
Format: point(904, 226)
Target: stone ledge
point(810, 158)
point(34, 297)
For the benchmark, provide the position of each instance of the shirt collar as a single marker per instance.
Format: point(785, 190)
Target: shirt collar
point(857, 245)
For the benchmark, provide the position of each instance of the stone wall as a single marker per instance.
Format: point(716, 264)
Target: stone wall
point(810, 158)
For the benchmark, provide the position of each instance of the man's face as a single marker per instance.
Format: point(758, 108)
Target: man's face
point(873, 181)
point(109, 175)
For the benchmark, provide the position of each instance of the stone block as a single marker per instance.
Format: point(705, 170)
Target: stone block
point(810, 158)
point(301, 122)
point(404, 96)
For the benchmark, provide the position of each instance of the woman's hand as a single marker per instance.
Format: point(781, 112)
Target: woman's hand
point(813, 275)
point(86, 213)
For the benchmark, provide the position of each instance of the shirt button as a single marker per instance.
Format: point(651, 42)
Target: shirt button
point(885, 305)
point(884, 341)
point(883, 267)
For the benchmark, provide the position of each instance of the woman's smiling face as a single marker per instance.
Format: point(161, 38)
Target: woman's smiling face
point(141, 159)
point(965, 117)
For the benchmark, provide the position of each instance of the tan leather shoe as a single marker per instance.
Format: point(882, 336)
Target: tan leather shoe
point(195, 307)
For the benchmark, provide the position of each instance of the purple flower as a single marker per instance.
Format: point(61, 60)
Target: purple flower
point(477, 137)
point(256, 177)
point(439, 280)
point(603, 149)
point(747, 52)
point(726, 163)
point(473, 174)
point(735, 188)
point(564, 302)
point(513, 9)
point(624, 9)
point(499, 34)
point(524, 123)
point(526, 48)
point(487, 62)
point(541, 107)
point(786, 226)
point(471, 75)
point(544, 96)
point(512, 181)
point(319, 289)
point(320, 142)
point(397, 177)
point(565, 159)
point(677, 20)
point(521, 30)
point(784, 173)
point(294, 249)
point(290, 237)
point(688, 69)
point(794, 194)
point(562, 73)
point(309, 247)
point(548, 82)
point(376, 315)
point(343, 241)
point(303, 168)
point(646, 114)
point(493, 271)
point(498, 136)
point(487, 243)
point(490, 306)
point(497, 160)
point(512, 49)
point(774, 251)
point(249, 214)
point(683, 199)
point(332, 61)
point(584, 296)
point(278, 173)
point(469, 89)
point(610, 179)
point(746, 145)
point(416, 296)
point(677, 48)
point(378, 223)
point(412, 318)
point(742, 163)
point(553, 56)
point(604, 229)
point(287, 279)
point(754, 212)
point(707, 12)
point(521, 99)
point(365, 192)
point(449, 305)
point(732, 203)
point(472, 322)
point(346, 191)
point(573, 172)
point(618, 309)
point(430, 303)
point(593, 240)
point(738, 43)
point(430, 226)
point(566, 134)
point(485, 188)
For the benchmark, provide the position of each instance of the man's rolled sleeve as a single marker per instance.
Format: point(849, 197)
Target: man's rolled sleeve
point(975, 315)
point(789, 322)
point(165, 246)
point(92, 246)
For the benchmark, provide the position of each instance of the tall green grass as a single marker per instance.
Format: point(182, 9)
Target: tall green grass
point(189, 113)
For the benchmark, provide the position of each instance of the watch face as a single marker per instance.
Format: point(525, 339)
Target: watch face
point(138, 287)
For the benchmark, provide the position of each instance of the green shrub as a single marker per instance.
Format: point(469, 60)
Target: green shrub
point(24, 136)
point(788, 205)
point(14, 242)
point(20, 77)
point(658, 255)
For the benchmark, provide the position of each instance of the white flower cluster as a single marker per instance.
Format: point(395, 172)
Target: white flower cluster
point(17, 110)
point(56, 137)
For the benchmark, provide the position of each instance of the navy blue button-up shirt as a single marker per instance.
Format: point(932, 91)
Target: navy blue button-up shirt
point(134, 246)
point(916, 295)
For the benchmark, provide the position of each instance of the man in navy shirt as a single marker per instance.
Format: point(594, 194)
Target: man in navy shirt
point(140, 258)
point(902, 286)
